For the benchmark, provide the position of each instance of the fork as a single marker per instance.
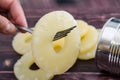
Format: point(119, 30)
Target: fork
point(57, 36)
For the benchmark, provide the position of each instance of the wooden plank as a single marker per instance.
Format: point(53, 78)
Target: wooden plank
point(95, 12)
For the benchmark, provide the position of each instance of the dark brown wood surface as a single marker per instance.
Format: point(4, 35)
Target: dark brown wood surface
point(95, 12)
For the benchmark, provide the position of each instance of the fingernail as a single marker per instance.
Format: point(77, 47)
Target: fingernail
point(10, 29)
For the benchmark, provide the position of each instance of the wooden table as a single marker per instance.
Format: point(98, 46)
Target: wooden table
point(95, 12)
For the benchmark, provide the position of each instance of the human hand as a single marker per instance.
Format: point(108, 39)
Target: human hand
point(14, 12)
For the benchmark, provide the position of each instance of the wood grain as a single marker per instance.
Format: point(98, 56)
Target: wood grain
point(95, 12)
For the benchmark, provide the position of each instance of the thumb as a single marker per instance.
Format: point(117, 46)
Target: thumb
point(6, 27)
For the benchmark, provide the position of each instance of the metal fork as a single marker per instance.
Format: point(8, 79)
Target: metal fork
point(57, 36)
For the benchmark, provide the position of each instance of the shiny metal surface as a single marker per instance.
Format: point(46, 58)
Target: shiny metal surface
point(108, 47)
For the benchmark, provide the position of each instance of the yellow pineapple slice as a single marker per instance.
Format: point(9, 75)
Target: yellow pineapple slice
point(44, 54)
point(22, 43)
point(83, 27)
point(90, 54)
point(23, 72)
point(89, 40)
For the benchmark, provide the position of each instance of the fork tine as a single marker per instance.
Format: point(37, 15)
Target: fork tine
point(63, 33)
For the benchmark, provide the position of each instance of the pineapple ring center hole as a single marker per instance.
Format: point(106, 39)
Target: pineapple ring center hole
point(58, 44)
point(34, 67)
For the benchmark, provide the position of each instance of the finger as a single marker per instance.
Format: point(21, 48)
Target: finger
point(6, 26)
point(5, 3)
point(17, 13)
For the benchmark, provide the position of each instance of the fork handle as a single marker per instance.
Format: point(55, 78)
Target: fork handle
point(23, 28)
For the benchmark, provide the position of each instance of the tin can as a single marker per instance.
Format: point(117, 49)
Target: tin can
point(108, 47)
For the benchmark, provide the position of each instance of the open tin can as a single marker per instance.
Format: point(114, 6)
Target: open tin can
point(108, 47)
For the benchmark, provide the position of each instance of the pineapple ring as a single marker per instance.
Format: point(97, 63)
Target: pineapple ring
point(90, 54)
point(44, 54)
point(83, 27)
point(22, 43)
point(22, 71)
point(89, 40)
